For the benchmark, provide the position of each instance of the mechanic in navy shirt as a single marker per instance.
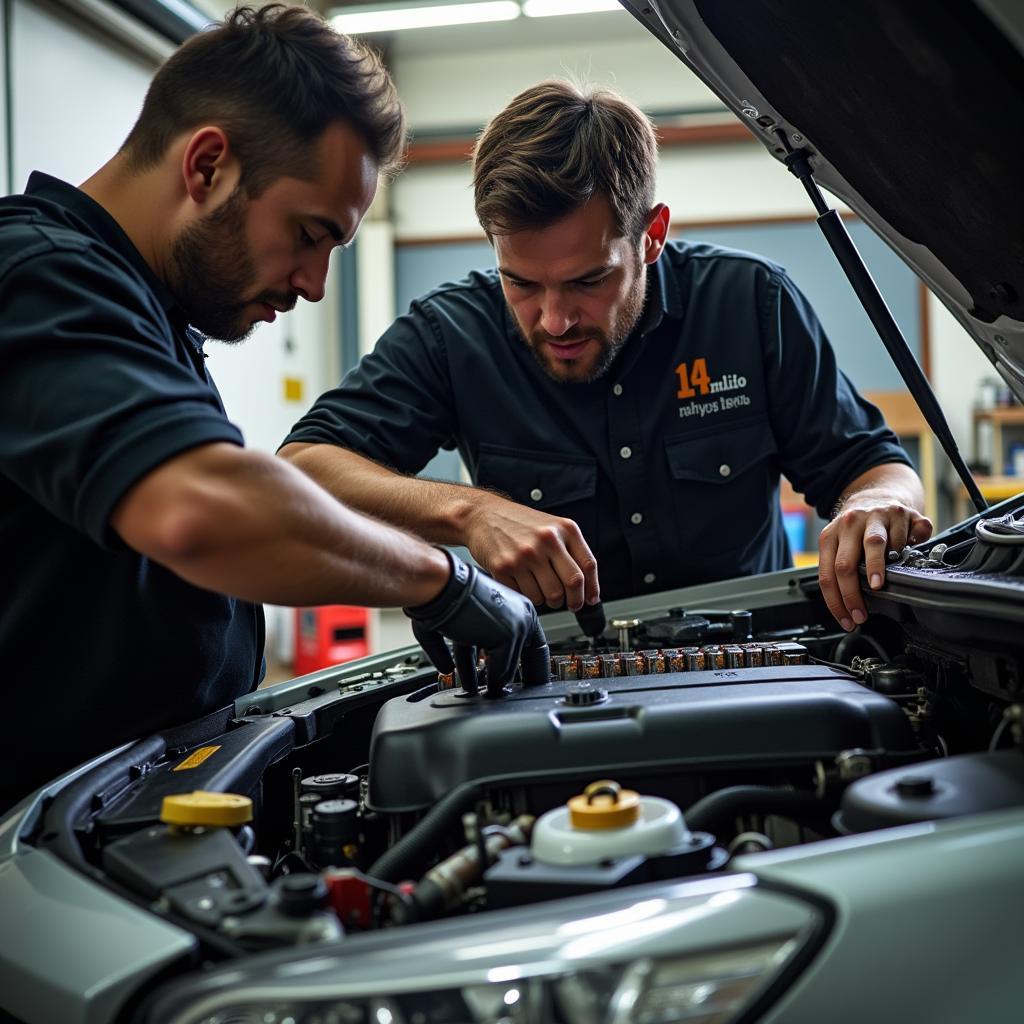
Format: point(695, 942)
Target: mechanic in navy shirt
point(635, 399)
point(128, 507)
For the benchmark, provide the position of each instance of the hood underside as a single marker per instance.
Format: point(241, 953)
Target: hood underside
point(911, 111)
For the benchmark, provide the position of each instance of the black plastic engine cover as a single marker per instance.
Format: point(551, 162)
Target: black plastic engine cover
point(946, 788)
point(424, 746)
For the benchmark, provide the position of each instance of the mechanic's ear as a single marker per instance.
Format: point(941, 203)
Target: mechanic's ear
point(208, 167)
point(656, 233)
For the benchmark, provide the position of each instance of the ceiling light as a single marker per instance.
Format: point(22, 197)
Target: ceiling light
point(392, 18)
point(553, 8)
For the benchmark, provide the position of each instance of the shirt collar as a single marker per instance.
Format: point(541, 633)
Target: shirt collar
point(103, 226)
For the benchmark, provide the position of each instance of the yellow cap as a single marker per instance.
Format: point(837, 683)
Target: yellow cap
point(604, 804)
point(200, 808)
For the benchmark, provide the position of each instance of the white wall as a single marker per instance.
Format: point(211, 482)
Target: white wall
point(75, 92)
point(468, 85)
point(738, 181)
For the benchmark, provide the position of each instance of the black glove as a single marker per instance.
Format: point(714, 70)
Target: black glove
point(472, 610)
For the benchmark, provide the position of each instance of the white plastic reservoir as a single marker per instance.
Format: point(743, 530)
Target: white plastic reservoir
point(604, 822)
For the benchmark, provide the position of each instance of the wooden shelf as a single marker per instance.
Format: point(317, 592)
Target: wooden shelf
point(1012, 415)
point(997, 488)
point(900, 410)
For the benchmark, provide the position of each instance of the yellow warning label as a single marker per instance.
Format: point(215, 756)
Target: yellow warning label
point(196, 758)
point(293, 389)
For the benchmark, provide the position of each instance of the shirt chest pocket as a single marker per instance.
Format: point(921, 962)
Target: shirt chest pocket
point(556, 483)
point(724, 487)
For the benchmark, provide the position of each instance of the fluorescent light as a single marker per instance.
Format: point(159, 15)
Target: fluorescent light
point(553, 8)
point(393, 19)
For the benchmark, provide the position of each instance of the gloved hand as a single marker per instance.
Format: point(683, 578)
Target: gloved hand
point(474, 610)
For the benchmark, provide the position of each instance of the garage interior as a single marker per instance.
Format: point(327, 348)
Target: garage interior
point(421, 229)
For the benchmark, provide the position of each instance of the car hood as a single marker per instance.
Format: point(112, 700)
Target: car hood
point(911, 111)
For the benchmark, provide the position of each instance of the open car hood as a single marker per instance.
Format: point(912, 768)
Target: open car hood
point(911, 111)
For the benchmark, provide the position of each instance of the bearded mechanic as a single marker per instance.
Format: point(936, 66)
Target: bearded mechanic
point(621, 401)
point(137, 533)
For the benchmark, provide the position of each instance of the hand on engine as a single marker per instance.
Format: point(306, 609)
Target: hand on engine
point(542, 556)
point(473, 611)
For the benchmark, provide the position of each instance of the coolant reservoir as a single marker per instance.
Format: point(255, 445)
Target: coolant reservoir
point(608, 822)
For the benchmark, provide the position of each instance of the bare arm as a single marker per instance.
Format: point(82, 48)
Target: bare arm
point(879, 512)
point(542, 556)
point(247, 524)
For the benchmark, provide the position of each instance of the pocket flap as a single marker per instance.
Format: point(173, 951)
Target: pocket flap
point(537, 479)
point(719, 458)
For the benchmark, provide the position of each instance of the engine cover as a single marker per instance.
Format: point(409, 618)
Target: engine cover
point(428, 744)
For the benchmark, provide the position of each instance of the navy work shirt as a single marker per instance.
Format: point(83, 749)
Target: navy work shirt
point(669, 462)
point(102, 382)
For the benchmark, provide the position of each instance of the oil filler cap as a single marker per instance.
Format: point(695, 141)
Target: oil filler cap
point(604, 804)
point(583, 694)
point(206, 809)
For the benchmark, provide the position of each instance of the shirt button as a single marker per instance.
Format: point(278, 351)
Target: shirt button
point(625, 452)
point(617, 390)
point(649, 578)
point(636, 518)
point(536, 494)
point(724, 470)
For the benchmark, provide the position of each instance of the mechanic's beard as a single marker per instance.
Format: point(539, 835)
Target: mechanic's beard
point(211, 269)
point(609, 345)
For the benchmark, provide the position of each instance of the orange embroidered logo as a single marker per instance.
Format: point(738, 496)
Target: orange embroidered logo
point(694, 379)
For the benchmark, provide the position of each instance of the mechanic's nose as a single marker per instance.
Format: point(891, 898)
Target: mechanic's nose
point(310, 280)
point(556, 317)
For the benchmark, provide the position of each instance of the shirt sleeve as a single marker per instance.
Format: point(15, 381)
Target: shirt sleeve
point(396, 405)
point(92, 396)
point(826, 432)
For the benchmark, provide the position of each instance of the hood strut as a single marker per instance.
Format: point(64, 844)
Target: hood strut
point(838, 238)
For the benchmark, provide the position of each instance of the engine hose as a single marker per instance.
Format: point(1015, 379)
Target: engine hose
point(405, 858)
point(734, 801)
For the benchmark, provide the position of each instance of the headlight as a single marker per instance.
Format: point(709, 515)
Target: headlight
point(700, 952)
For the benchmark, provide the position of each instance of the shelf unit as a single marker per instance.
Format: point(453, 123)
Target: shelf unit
point(1005, 422)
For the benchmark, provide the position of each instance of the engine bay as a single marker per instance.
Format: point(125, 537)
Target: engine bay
point(657, 745)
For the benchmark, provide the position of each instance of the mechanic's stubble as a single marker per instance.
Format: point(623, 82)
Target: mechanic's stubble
point(576, 288)
point(211, 272)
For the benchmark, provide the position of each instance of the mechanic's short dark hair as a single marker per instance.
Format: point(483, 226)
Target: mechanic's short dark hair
point(273, 78)
point(556, 145)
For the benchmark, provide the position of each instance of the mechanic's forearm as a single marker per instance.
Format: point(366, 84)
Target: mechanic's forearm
point(440, 512)
point(252, 526)
point(893, 481)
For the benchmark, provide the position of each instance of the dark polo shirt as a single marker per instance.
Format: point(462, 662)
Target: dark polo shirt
point(670, 462)
point(102, 382)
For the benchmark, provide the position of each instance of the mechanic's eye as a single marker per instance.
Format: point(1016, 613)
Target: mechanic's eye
point(305, 238)
point(592, 282)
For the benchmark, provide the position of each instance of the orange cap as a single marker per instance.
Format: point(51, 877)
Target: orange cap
point(604, 804)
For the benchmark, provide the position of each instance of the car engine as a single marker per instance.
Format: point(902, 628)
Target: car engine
point(660, 744)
